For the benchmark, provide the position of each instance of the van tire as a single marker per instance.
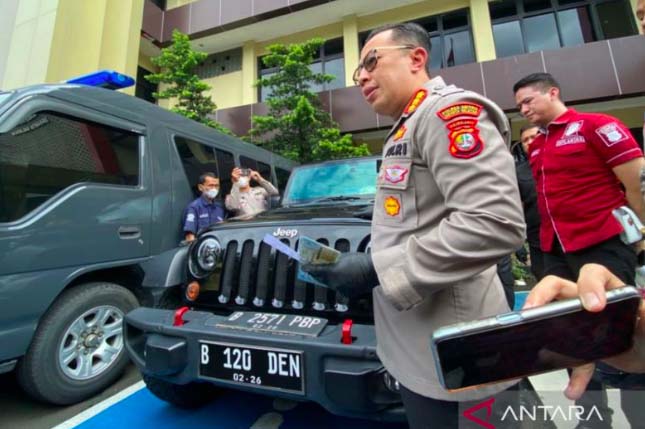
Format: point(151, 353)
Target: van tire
point(188, 396)
point(83, 326)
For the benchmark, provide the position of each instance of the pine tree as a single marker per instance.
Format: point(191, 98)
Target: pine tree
point(297, 126)
point(177, 64)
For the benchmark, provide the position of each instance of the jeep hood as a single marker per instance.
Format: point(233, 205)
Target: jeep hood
point(329, 213)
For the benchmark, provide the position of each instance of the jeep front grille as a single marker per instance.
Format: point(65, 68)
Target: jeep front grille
point(254, 275)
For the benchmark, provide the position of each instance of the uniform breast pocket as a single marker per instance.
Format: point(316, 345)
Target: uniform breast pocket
point(395, 196)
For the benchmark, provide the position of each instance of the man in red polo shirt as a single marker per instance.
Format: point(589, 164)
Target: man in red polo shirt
point(585, 165)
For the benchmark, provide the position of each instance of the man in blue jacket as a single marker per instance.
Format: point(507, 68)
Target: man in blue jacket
point(205, 210)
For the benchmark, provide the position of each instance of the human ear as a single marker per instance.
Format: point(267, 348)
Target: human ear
point(420, 58)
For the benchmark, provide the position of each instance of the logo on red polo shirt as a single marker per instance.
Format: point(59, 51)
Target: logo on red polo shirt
point(573, 128)
point(611, 134)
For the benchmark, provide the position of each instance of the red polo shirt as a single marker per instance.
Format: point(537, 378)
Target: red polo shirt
point(572, 163)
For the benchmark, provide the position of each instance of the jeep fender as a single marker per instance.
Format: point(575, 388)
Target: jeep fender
point(167, 269)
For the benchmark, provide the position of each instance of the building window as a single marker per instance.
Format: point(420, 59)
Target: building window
point(161, 4)
point(144, 88)
point(451, 38)
point(329, 60)
point(523, 26)
point(48, 153)
point(220, 63)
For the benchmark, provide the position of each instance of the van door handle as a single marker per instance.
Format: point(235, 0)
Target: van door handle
point(129, 232)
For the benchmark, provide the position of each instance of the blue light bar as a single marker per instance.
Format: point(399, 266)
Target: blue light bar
point(105, 79)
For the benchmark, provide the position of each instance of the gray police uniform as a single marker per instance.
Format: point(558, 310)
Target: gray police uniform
point(255, 200)
point(447, 210)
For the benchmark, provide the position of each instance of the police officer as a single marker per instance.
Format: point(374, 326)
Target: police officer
point(447, 209)
point(205, 210)
point(245, 199)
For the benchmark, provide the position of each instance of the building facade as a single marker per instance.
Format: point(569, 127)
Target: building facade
point(593, 47)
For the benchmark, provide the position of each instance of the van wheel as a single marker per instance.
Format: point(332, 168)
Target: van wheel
point(191, 395)
point(78, 349)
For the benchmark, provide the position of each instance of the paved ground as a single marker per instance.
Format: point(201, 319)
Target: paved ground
point(138, 408)
point(17, 410)
point(128, 404)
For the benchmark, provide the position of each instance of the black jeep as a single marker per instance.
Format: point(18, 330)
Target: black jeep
point(255, 326)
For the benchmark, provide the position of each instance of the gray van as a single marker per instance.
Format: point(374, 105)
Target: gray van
point(93, 184)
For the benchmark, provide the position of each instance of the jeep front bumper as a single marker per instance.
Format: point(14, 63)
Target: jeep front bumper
point(346, 379)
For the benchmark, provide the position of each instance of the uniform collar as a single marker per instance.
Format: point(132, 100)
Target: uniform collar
point(419, 96)
point(565, 117)
point(203, 201)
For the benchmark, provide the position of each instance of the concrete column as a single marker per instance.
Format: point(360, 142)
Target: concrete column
point(350, 47)
point(28, 26)
point(249, 73)
point(121, 37)
point(482, 30)
point(90, 36)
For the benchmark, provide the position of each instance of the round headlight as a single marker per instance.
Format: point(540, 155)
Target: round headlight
point(204, 257)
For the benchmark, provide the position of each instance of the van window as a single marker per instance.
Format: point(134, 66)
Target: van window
point(197, 159)
point(49, 152)
point(246, 162)
point(283, 178)
point(265, 171)
point(226, 164)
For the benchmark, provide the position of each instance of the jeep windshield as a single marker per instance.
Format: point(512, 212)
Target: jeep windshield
point(4, 96)
point(342, 180)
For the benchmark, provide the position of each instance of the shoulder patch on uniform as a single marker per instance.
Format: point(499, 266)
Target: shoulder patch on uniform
point(465, 144)
point(459, 109)
point(464, 138)
point(611, 134)
point(416, 100)
point(400, 132)
point(395, 174)
point(190, 217)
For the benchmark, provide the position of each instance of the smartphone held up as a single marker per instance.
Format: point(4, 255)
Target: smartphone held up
point(541, 339)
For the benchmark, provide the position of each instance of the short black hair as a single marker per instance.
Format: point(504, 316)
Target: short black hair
point(203, 176)
point(527, 127)
point(407, 33)
point(543, 81)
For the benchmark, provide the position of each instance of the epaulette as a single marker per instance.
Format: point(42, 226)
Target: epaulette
point(446, 90)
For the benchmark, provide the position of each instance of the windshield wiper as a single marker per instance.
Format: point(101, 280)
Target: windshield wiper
point(331, 199)
point(338, 198)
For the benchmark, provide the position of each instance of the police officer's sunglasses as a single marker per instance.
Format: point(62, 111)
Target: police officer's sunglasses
point(371, 59)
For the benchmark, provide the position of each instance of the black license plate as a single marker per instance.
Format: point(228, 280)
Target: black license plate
point(264, 368)
point(276, 323)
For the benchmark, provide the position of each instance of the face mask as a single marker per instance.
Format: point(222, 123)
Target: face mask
point(211, 193)
point(244, 182)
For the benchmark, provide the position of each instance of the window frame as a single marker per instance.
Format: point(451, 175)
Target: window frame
point(322, 58)
point(39, 105)
point(555, 8)
point(193, 185)
point(440, 31)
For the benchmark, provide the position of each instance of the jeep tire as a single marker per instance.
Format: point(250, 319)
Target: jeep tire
point(191, 395)
point(78, 348)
